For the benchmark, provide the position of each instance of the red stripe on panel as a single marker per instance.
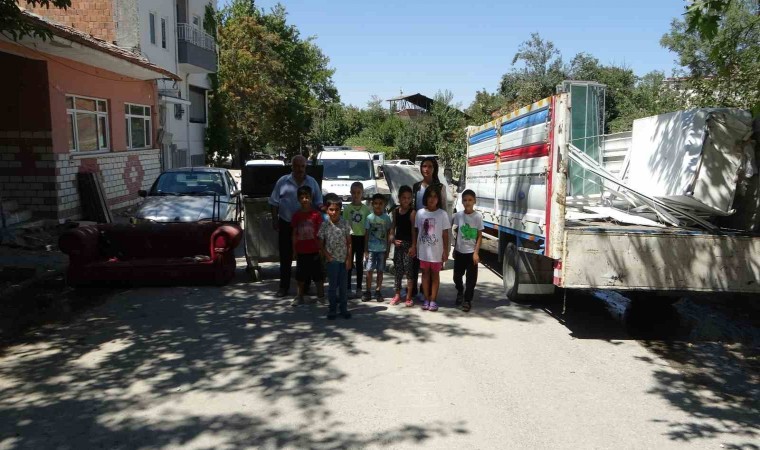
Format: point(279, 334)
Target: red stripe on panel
point(531, 151)
point(488, 158)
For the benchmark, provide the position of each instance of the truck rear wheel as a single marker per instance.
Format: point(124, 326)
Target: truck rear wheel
point(509, 271)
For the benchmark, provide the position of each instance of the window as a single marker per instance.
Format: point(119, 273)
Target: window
point(152, 25)
point(196, 21)
point(163, 33)
point(189, 183)
point(87, 120)
point(346, 169)
point(197, 105)
point(138, 126)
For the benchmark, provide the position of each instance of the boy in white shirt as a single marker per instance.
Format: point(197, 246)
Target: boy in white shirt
point(468, 226)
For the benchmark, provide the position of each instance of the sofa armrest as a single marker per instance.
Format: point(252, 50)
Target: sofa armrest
point(225, 239)
point(81, 243)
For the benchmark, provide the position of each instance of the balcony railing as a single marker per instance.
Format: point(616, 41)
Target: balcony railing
point(196, 36)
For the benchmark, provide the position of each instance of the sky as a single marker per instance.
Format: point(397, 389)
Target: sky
point(384, 47)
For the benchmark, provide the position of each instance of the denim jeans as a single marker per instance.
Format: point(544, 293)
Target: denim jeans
point(336, 291)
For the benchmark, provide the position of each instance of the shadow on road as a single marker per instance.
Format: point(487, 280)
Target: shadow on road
point(118, 377)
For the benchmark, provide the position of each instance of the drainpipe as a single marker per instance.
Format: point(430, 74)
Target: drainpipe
point(187, 116)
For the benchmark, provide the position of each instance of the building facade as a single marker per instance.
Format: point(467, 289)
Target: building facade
point(74, 104)
point(171, 35)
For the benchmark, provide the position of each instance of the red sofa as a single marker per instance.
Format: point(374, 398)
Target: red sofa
point(152, 252)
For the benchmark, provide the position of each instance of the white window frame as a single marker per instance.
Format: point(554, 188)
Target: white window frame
point(98, 114)
point(198, 25)
point(152, 27)
point(164, 34)
point(148, 119)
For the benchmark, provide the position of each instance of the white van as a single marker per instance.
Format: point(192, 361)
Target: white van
point(344, 167)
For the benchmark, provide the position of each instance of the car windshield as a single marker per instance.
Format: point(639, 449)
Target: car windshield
point(189, 183)
point(346, 169)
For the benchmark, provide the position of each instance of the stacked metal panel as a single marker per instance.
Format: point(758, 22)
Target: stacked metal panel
point(692, 158)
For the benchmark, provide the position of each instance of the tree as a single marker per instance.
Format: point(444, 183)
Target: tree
point(272, 83)
point(14, 25)
point(251, 77)
point(484, 105)
point(449, 123)
point(719, 67)
point(541, 72)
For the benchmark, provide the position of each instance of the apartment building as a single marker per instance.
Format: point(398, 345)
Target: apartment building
point(170, 34)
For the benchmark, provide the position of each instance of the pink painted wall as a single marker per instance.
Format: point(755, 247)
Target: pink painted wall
point(70, 77)
point(79, 79)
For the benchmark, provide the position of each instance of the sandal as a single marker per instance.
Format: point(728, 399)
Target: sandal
point(425, 305)
point(433, 306)
point(409, 303)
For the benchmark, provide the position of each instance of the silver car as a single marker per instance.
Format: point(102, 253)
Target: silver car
point(190, 195)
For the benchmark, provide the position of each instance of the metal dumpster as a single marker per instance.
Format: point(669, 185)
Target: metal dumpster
point(261, 239)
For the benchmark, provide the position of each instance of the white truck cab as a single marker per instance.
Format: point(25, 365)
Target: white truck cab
point(344, 167)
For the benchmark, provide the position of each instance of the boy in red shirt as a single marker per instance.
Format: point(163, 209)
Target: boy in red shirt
point(305, 224)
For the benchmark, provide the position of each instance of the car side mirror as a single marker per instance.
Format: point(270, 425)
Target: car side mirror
point(142, 193)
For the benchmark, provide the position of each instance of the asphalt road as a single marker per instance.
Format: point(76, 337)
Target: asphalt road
point(233, 367)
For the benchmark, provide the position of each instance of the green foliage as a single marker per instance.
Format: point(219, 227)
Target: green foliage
point(541, 72)
point(15, 26)
point(371, 145)
point(272, 82)
point(703, 16)
point(627, 96)
point(416, 138)
point(484, 105)
point(723, 70)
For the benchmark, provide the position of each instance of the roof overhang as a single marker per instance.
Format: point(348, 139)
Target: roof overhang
point(70, 43)
point(64, 48)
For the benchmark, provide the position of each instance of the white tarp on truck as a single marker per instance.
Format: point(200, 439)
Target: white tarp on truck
point(692, 158)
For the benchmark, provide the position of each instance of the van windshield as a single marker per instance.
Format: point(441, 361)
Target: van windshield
point(346, 169)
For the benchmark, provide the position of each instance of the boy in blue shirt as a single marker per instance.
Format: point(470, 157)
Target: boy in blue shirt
point(376, 245)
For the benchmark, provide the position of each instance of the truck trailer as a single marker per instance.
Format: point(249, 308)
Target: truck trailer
point(554, 193)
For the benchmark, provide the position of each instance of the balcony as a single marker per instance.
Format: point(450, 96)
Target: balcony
point(196, 49)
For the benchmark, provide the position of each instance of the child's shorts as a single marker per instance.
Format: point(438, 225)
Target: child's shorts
point(308, 267)
point(376, 261)
point(434, 266)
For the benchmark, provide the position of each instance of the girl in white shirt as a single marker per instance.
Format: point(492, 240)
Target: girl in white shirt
point(430, 243)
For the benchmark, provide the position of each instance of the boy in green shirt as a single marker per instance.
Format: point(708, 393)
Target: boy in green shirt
point(356, 215)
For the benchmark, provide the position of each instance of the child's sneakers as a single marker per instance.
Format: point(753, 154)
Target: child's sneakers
point(433, 306)
point(366, 296)
point(297, 301)
point(395, 300)
point(460, 298)
point(425, 305)
point(379, 296)
point(409, 302)
point(466, 306)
